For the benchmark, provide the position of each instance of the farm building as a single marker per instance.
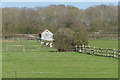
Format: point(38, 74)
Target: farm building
point(46, 35)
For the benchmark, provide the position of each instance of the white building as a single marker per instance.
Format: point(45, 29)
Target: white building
point(46, 35)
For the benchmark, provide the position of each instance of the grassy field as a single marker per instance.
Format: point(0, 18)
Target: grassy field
point(104, 44)
point(46, 64)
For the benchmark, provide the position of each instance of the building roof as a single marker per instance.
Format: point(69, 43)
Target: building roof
point(43, 31)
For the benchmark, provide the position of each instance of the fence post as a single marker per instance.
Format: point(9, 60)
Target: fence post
point(119, 54)
point(114, 53)
point(6, 47)
point(23, 48)
point(86, 49)
point(94, 50)
point(16, 75)
point(101, 52)
point(83, 48)
point(97, 52)
point(76, 48)
point(107, 52)
point(80, 50)
point(89, 50)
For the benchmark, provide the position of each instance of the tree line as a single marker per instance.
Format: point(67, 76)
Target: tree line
point(34, 20)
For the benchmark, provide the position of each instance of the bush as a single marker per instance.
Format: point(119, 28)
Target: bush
point(64, 41)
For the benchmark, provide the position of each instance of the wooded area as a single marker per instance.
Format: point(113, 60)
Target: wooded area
point(102, 18)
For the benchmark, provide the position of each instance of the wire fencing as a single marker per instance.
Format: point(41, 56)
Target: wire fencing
point(22, 48)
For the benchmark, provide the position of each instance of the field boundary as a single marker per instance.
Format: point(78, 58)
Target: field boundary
point(22, 48)
point(99, 51)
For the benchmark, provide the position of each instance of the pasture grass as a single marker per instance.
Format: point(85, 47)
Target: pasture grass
point(46, 64)
point(104, 43)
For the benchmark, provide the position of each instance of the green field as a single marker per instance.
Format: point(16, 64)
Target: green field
point(104, 43)
point(46, 64)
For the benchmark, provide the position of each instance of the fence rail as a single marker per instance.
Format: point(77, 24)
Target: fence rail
point(82, 49)
point(99, 51)
point(21, 48)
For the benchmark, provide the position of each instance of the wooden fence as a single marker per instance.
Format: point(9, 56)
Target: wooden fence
point(99, 51)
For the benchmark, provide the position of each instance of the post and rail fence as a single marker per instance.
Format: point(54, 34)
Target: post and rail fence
point(99, 51)
point(82, 49)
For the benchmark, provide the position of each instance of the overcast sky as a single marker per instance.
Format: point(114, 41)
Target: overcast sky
point(80, 5)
